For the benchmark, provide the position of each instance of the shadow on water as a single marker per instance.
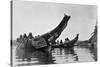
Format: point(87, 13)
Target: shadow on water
point(93, 51)
point(33, 57)
point(26, 57)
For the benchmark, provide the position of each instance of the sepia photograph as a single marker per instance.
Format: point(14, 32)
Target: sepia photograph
point(45, 33)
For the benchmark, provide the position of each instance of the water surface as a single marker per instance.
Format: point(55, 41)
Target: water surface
point(22, 57)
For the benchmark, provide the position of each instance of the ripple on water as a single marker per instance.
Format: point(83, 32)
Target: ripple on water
point(57, 55)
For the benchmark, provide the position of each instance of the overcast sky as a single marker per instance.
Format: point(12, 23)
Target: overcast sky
point(41, 17)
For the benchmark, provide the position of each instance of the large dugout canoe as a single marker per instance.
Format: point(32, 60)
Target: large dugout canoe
point(45, 40)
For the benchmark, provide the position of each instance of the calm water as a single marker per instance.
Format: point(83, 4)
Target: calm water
point(23, 57)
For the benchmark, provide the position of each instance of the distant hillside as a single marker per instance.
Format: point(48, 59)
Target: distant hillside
point(92, 42)
point(93, 39)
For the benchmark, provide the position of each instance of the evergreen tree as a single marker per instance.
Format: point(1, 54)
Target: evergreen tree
point(94, 35)
point(95, 30)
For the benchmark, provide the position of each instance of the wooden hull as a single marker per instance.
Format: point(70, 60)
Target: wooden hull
point(63, 46)
point(43, 49)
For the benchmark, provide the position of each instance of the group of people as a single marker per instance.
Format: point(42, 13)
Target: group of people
point(61, 42)
point(27, 40)
point(24, 37)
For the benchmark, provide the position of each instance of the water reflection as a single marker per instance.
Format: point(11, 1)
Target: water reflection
point(57, 55)
point(33, 57)
point(63, 55)
point(93, 51)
